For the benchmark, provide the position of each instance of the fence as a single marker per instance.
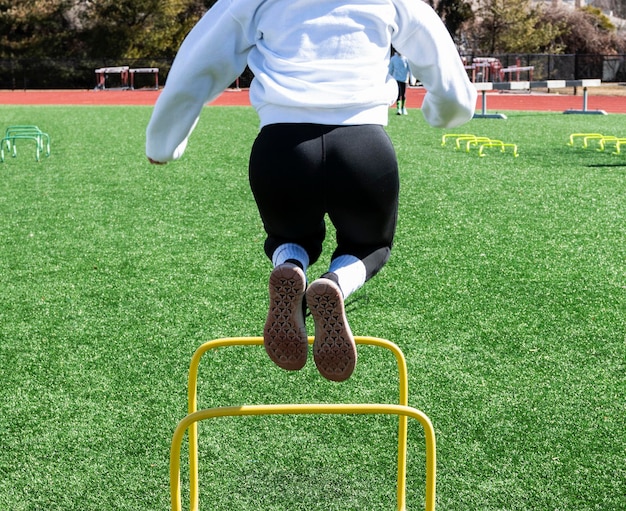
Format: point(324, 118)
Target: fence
point(80, 74)
point(608, 68)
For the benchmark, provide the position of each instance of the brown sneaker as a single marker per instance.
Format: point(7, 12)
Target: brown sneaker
point(334, 349)
point(284, 335)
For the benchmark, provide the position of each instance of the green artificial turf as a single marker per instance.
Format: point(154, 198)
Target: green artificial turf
point(506, 290)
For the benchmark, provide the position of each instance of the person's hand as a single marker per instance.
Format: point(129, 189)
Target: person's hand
point(154, 162)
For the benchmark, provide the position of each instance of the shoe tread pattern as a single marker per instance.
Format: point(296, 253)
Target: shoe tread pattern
point(334, 349)
point(284, 335)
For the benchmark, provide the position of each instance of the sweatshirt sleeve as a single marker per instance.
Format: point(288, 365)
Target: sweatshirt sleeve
point(423, 38)
point(211, 57)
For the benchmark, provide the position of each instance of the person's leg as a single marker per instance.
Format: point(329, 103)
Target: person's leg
point(363, 202)
point(284, 163)
point(402, 106)
point(283, 172)
point(362, 198)
point(400, 96)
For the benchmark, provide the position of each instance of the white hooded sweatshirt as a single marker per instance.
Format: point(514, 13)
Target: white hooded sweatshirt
point(314, 61)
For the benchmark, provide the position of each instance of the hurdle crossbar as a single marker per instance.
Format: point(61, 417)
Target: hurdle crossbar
point(402, 410)
point(484, 87)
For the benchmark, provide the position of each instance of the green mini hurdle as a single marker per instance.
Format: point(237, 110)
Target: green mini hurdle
point(190, 422)
point(25, 132)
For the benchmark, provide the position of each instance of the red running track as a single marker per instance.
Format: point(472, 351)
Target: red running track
point(496, 101)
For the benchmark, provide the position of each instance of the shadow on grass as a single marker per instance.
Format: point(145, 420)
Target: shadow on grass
point(600, 165)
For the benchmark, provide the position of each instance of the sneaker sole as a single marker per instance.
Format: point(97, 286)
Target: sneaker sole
point(334, 349)
point(284, 335)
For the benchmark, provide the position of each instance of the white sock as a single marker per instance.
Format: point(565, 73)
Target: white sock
point(288, 251)
point(350, 271)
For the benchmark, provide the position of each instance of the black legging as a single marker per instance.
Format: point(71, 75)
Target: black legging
point(300, 172)
point(401, 91)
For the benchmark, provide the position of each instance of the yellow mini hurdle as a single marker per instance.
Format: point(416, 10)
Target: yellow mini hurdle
point(618, 144)
point(500, 144)
point(584, 136)
point(602, 141)
point(474, 140)
point(190, 422)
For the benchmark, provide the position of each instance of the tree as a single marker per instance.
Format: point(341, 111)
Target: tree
point(137, 28)
point(455, 14)
point(617, 7)
point(35, 28)
point(586, 31)
point(112, 29)
point(513, 26)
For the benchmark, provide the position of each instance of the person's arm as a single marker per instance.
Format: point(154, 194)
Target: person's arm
point(392, 66)
point(423, 38)
point(211, 57)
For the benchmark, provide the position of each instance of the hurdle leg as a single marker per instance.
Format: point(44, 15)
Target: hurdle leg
point(304, 409)
point(585, 110)
point(402, 410)
point(484, 114)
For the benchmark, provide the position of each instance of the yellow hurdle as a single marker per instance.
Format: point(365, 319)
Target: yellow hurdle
point(607, 139)
point(190, 422)
point(501, 145)
point(475, 141)
point(446, 136)
point(584, 136)
point(618, 144)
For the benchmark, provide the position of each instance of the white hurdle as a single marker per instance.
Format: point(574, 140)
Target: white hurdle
point(484, 87)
